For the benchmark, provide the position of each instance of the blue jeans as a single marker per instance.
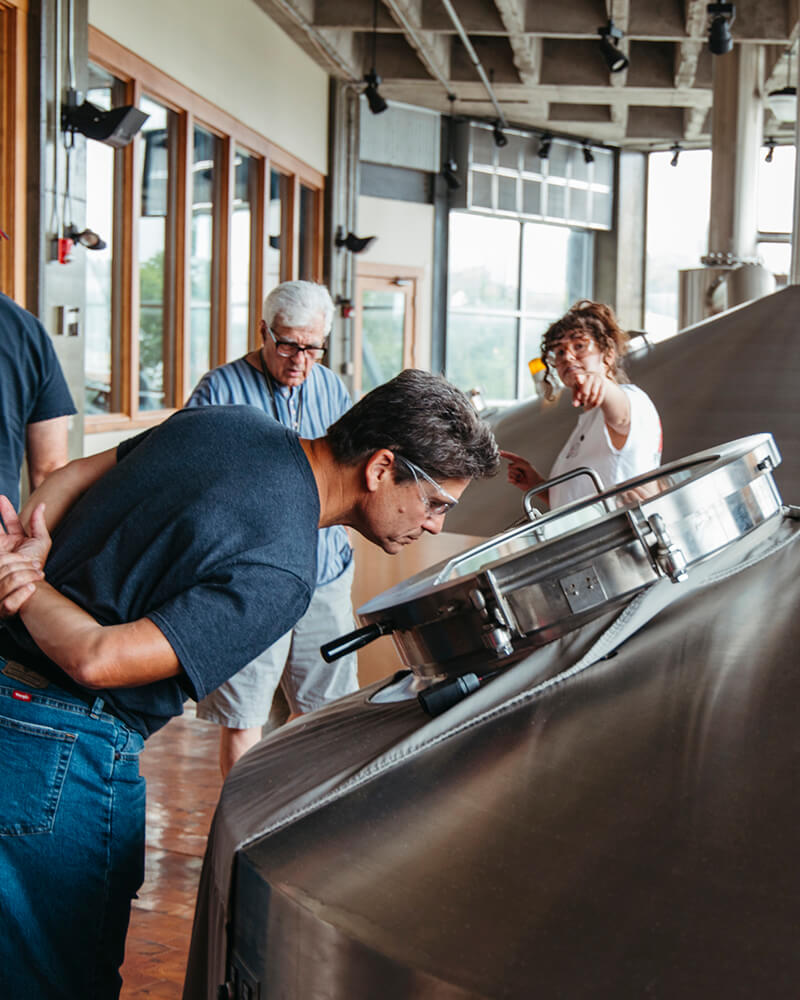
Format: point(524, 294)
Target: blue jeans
point(72, 816)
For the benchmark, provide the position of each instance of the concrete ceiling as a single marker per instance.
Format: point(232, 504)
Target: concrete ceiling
point(543, 61)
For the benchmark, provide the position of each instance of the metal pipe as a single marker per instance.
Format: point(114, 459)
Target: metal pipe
point(794, 268)
point(413, 32)
point(475, 60)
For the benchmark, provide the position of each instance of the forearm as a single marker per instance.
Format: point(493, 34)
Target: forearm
point(95, 655)
point(66, 485)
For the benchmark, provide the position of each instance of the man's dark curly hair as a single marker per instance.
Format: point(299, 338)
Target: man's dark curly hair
point(421, 417)
point(599, 321)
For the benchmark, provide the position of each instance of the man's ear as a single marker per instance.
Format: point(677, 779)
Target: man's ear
point(262, 329)
point(379, 468)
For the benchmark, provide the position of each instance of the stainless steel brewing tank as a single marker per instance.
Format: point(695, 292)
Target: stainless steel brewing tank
point(543, 578)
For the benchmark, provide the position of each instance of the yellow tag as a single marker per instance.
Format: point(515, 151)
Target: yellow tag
point(536, 365)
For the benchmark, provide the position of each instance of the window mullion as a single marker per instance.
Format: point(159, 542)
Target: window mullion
point(221, 252)
point(291, 229)
point(129, 293)
point(182, 256)
point(258, 260)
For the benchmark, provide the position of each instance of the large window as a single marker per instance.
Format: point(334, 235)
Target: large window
point(202, 217)
point(507, 281)
point(678, 207)
point(775, 202)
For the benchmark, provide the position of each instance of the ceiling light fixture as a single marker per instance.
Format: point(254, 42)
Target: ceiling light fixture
point(86, 237)
point(610, 37)
point(588, 156)
point(783, 103)
point(676, 149)
point(351, 242)
point(450, 167)
point(376, 103)
point(544, 145)
point(770, 144)
point(719, 33)
point(115, 127)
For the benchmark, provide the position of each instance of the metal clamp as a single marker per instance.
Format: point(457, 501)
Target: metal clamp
point(668, 556)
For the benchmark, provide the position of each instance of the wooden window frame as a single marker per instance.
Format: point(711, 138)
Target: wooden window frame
point(13, 146)
point(142, 78)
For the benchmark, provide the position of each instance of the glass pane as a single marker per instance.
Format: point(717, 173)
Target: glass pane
point(603, 167)
point(307, 233)
point(483, 147)
point(602, 202)
point(98, 394)
point(559, 158)
point(278, 198)
point(580, 168)
point(578, 206)
point(778, 258)
point(556, 200)
point(203, 208)
point(382, 326)
point(555, 269)
point(481, 189)
point(509, 155)
point(244, 201)
point(507, 193)
point(484, 262)
point(155, 327)
point(776, 191)
point(678, 206)
point(532, 197)
point(482, 354)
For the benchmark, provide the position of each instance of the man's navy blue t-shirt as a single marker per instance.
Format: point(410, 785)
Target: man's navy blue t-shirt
point(32, 387)
point(207, 525)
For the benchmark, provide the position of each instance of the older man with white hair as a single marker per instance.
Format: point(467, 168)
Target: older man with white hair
point(282, 378)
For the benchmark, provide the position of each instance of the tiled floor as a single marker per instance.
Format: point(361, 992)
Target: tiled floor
point(183, 782)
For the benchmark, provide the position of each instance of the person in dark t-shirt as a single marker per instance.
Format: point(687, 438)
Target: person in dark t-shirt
point(174, 559)
point(35, 403)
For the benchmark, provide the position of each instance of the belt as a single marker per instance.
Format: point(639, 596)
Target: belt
point(22, 674)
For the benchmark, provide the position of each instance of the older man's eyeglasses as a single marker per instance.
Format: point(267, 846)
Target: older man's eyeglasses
point(289, 349)
point(436, 506)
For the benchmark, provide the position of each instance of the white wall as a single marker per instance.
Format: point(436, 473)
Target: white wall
point(234, 56)
point(405, 238)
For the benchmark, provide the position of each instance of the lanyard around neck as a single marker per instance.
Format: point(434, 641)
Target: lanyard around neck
point(294, 424)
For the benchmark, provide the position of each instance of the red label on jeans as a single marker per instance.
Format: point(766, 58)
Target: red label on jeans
point(21, 695)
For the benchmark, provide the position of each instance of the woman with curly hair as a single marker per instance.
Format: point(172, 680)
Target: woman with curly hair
point(618, 434)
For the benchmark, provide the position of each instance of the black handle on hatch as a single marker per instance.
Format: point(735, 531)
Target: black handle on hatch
point(354, 640)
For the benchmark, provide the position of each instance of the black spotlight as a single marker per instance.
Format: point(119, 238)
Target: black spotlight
point(351, 242)
point(500, 138)
point(86, 237)
point(770, 144)
point(115, 127)
point(610, 36)
point(676, 150)
point(719, 33)
point(588, 155)
point(544, 145)
point(450, 174)
point(376, 103)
